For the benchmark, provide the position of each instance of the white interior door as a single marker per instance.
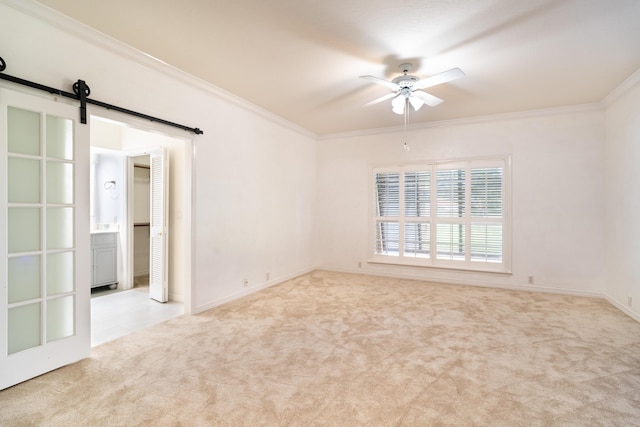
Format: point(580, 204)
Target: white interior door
point(159, 238)
point(44, 237)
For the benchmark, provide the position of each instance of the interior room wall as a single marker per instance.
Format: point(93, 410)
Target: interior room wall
point(557, 179)
point(105, 135)
point(254, 173)
point(622, 198)
point(256, 202)
point(110, 188)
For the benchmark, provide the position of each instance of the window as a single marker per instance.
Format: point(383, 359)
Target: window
point(445, 214)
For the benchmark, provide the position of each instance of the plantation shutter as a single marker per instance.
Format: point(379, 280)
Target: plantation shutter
point(387, 189)
point(486, 214)
point(417, 210)
point(445, 214)
point(451, 209)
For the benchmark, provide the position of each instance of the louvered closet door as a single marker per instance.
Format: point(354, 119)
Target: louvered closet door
point(159, 239)
point(44, 235)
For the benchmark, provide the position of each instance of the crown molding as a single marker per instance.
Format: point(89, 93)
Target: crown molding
point(543, 112)
point(77, 29)
point(622, 89)
point(82, 31)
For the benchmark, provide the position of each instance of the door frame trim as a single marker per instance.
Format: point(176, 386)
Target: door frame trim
point(187, 190)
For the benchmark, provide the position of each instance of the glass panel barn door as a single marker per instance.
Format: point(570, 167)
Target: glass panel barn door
point(44, 237)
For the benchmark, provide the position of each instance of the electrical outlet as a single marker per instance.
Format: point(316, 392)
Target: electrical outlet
point(629, 301)
point(268, 276)
point(531, 280)
point(245, 282)
point(359, 264)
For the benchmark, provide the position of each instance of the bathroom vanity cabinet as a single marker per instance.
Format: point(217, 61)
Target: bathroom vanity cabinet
point(104, 255)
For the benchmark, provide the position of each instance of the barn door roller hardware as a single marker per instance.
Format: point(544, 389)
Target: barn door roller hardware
point(81, 93)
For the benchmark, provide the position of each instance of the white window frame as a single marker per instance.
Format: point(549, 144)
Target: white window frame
point(432, 261)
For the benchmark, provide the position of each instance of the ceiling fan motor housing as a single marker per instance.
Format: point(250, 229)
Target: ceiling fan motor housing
point(405, 81)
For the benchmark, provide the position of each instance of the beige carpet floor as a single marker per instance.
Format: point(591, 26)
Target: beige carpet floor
point(329, 349)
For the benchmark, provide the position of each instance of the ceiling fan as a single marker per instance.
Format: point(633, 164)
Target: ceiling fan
point(406, 88)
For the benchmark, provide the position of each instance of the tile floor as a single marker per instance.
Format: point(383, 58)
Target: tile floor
point(118, 313)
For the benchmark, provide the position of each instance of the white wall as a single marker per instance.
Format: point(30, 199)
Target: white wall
point(622, 199)
point(558, 177)
point(254, 174)
point(110, 187)
point(255, 204)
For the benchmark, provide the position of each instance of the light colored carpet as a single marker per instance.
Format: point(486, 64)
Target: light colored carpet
point(350, 350)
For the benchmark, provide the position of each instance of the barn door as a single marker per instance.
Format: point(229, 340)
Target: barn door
point(44, 237)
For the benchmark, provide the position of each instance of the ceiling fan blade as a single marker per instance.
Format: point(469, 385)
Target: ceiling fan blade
point(416, 102)
point(382, 98)
point(390, 85)
point(427, 98)
point(444, 77)
point(398, 104)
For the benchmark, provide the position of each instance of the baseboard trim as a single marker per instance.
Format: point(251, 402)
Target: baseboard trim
point(485, 284)
point(176, 297)
point(480, 283)
point(623, 308)
point(213, 304)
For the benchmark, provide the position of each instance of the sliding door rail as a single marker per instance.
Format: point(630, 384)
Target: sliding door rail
point(81, 93)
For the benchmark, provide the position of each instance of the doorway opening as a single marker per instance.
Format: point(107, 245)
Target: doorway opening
point(121, 204)
point(141, 221)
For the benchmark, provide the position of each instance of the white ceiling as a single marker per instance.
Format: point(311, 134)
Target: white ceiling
point(301, 59)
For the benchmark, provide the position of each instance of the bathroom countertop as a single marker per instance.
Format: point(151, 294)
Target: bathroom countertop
point(104, 231)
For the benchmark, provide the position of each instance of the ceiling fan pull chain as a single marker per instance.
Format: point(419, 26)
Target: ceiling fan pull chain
point(406, 119)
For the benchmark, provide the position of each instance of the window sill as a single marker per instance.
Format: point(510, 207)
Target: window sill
point(451, 266)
